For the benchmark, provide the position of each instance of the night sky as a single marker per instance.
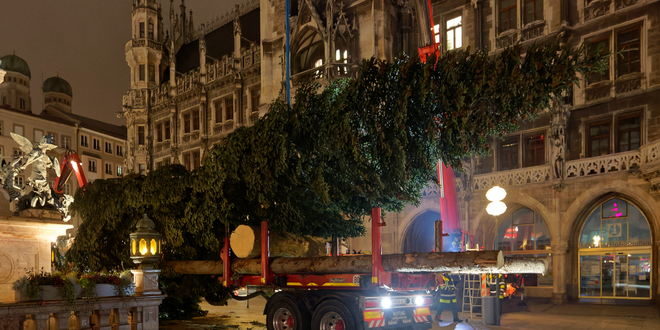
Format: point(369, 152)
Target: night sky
point(82, 41)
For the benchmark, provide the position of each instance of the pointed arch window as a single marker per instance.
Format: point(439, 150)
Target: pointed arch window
point(310, 51)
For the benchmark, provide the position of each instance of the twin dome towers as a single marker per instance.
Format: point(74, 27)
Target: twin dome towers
point(15, 79)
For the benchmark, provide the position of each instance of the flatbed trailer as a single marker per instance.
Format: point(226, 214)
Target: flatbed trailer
point(376, 300)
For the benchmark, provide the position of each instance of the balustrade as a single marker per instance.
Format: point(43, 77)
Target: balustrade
point(92, 313)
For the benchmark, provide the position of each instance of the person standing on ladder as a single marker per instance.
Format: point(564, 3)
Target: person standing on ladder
point(446, 297)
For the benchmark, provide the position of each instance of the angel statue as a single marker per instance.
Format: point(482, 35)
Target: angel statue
point(36, 157)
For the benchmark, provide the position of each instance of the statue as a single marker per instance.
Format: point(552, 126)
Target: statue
point(36, 157)
point(560, 114)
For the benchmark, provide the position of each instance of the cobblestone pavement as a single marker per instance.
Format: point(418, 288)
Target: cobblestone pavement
point(248, 315)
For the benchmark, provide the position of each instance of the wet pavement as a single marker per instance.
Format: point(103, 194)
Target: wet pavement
point(536, 315)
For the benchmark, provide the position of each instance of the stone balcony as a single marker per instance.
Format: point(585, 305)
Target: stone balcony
point(644, 161)
point(122, 313)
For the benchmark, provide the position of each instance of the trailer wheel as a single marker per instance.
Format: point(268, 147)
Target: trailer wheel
point(285, 314)
point(333, 315)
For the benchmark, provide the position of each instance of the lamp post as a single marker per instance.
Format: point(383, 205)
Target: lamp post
point(496, 207)
point(145, 251)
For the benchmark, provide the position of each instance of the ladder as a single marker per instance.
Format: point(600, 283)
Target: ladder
point(472, 296)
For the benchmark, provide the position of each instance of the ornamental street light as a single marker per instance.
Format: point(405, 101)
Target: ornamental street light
point(496, 207)
point(145, 242)
point(145, 251)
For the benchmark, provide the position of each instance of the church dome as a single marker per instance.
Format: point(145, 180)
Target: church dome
point(14, 63)
point(57, 85)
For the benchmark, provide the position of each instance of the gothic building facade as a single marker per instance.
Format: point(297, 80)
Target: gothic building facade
point(582, 178)
point(193, 85)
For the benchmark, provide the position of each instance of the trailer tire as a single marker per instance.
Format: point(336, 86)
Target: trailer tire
point(333, 313)
point(285, 314)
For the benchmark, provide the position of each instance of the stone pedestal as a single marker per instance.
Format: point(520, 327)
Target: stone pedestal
point(146, 281)
point(25, 243)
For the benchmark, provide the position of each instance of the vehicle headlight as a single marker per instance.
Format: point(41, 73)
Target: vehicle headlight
point(386, 302)
point(419, 301)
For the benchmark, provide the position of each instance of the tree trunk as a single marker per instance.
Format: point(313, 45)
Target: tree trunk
point(475, 262)
point(245, 242)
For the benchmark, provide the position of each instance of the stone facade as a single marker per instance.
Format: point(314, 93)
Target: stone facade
point(212, 79)
point(598, 143)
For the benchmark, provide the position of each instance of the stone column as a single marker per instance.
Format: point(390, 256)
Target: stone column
point(559, 262)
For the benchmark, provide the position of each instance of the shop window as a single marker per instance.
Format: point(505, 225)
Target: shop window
point(454, 33)
point(598, 138)
point(534, 150)
point(532, 11)
point(525, 234)
point(507, 12)
point(615, 252)
point(508, 153)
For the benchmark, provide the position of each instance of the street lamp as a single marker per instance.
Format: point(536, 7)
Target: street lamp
point(145, 242)
point(145, 251)
point(496, 207)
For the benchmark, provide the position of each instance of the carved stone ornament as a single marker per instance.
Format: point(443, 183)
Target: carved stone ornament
point(36, 185)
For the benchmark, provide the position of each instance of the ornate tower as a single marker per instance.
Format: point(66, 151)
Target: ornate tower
point(144, 53)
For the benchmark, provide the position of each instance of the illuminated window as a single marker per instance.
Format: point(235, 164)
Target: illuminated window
point(454, 33)
point(615, 252)
point(120, 170)
point(523, 230)
point(436, 33)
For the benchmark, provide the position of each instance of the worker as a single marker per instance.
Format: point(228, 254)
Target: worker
point(446, 297)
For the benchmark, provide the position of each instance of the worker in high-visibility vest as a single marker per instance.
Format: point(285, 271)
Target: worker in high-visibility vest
point(446, 297)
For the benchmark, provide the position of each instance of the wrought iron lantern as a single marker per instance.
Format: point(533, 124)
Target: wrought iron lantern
point(145, 242)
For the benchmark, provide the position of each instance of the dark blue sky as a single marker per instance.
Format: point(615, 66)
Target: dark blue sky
point(82, 41)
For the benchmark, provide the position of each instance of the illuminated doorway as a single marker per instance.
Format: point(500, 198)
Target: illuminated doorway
point(615, 253)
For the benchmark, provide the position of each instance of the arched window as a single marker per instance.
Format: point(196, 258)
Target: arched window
point(524, 233)
point(523, 230)
point(310, 51)
point(615, 259)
